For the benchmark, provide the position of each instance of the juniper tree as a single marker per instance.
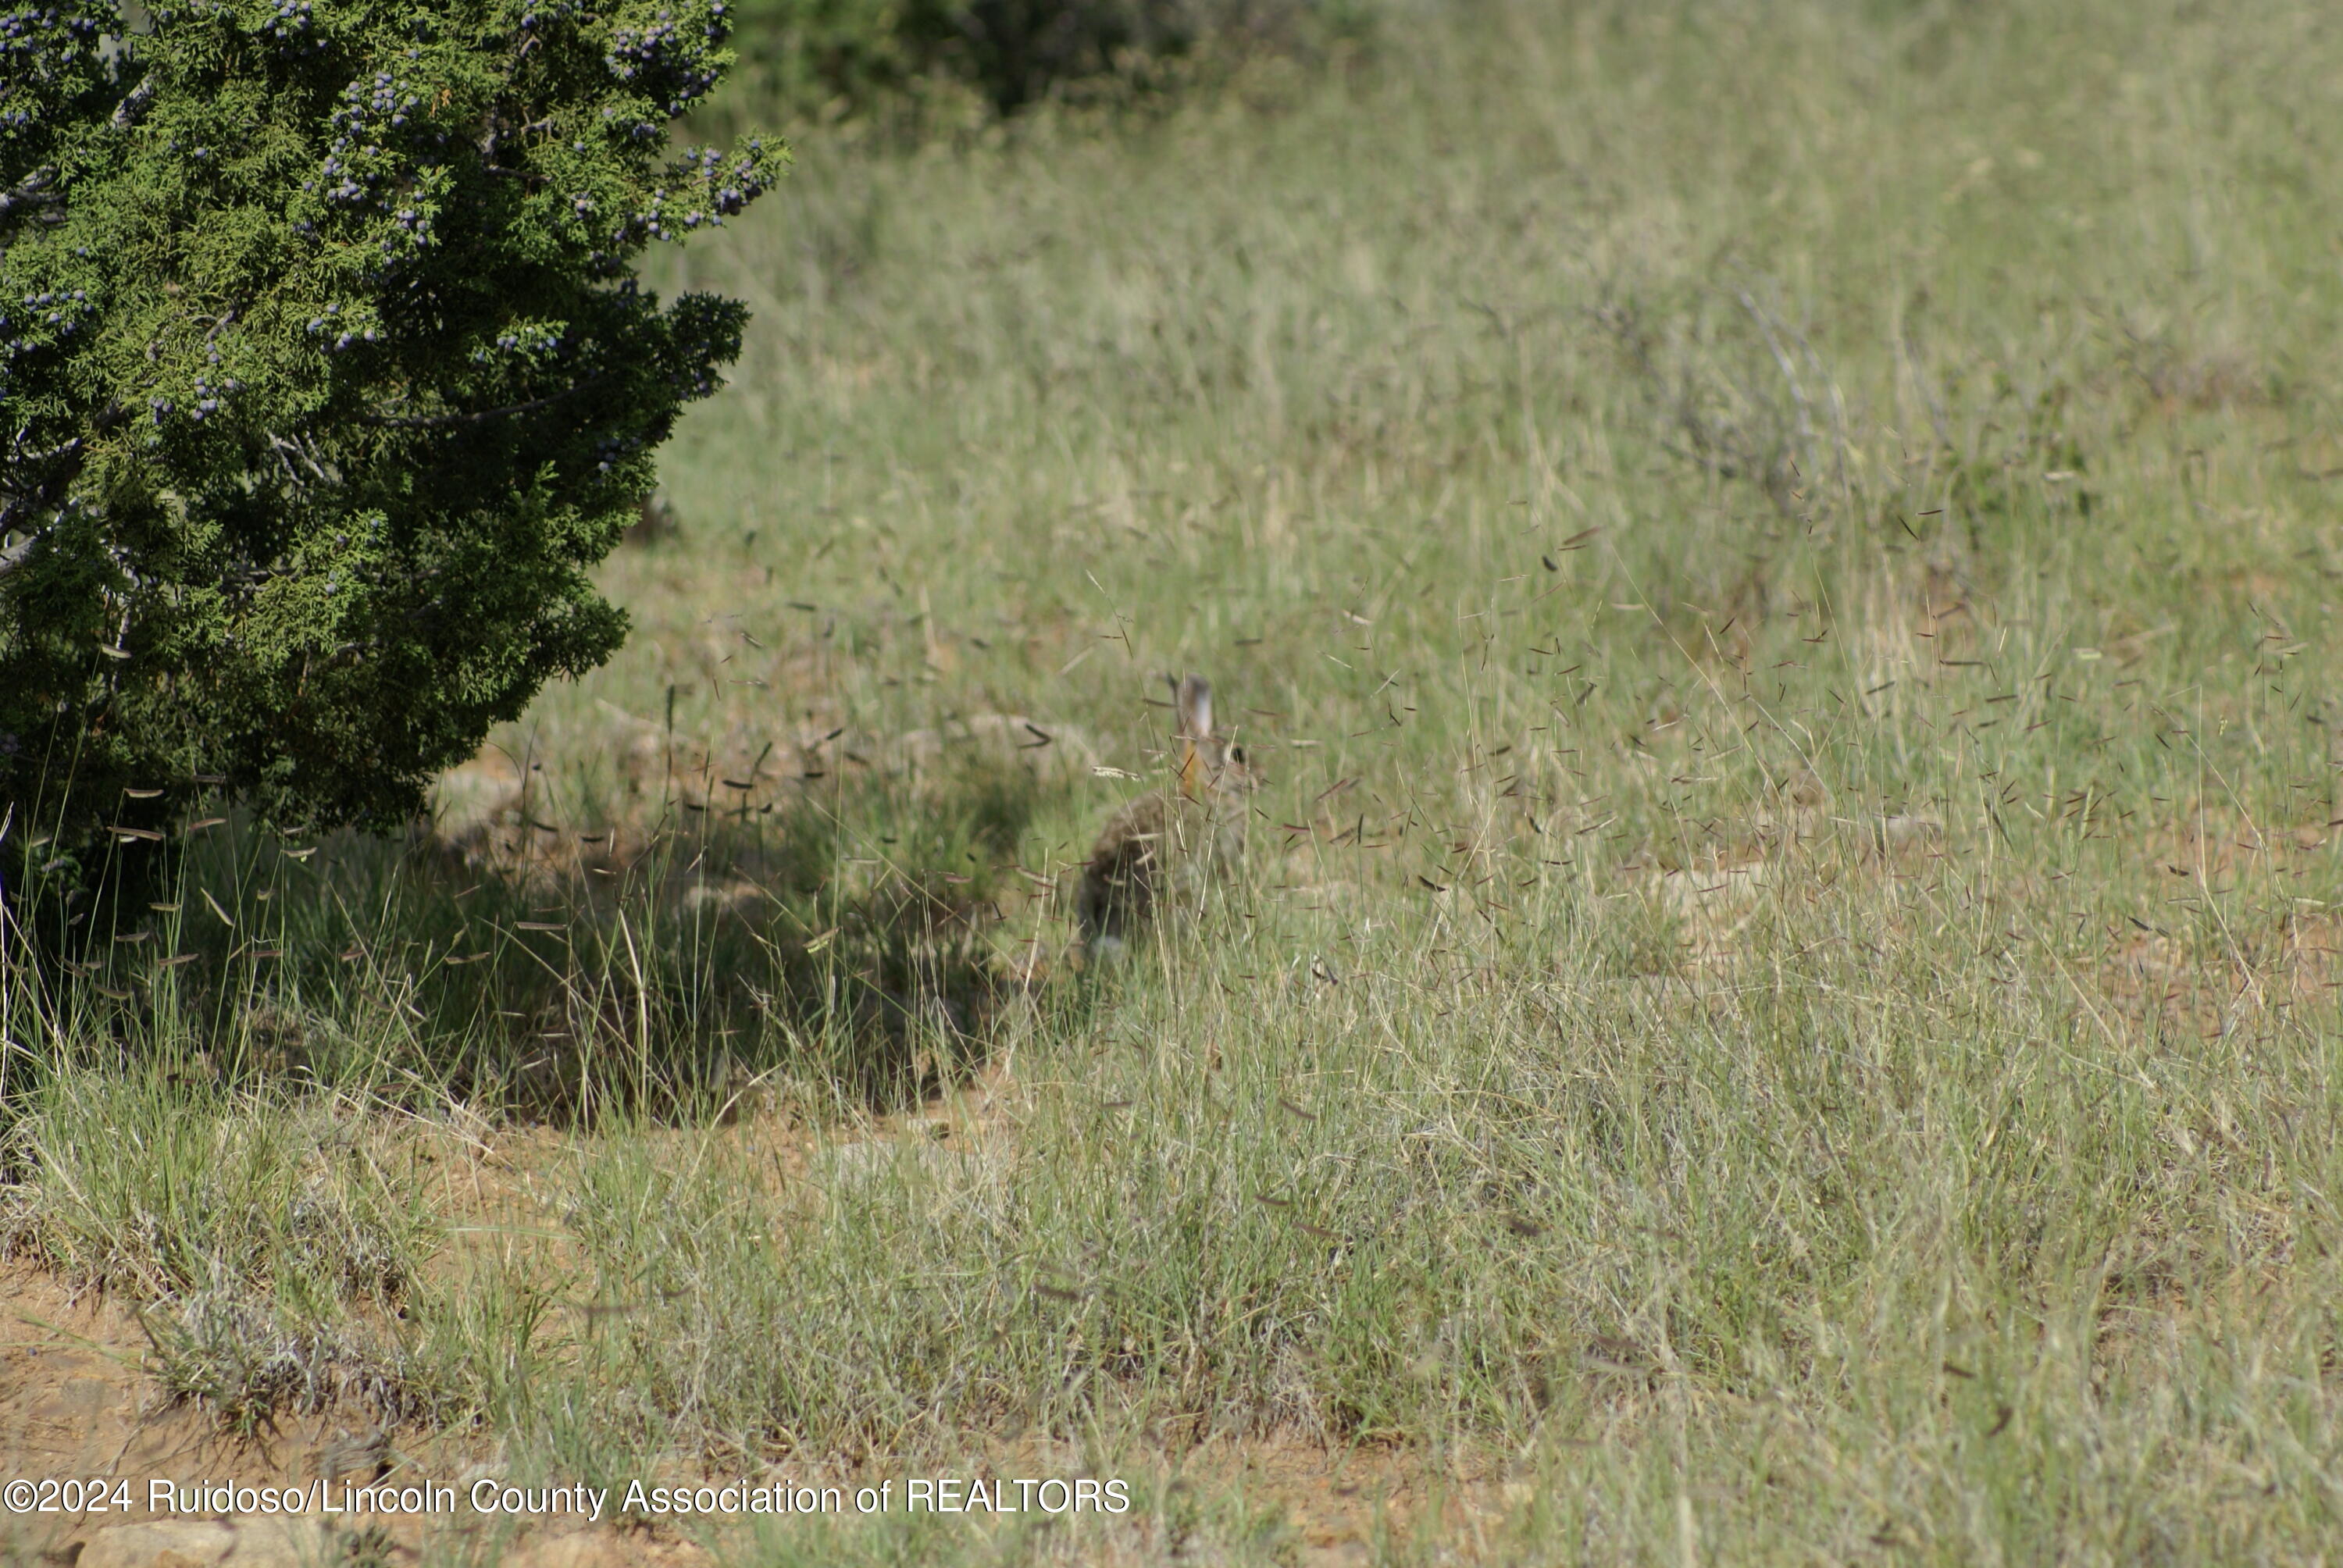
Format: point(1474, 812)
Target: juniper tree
point(325, 379)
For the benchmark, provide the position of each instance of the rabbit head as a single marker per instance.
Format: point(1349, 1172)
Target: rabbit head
point(1211, 765)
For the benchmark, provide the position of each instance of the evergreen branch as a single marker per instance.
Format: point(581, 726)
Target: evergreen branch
point(15, 557)
point(133, 107)
point(34, 191)
point(16, 508)
point(443, 421)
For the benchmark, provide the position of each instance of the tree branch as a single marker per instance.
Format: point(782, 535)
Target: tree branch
point(133, 107)
point(34, 191)
point(442, 421)
point(48, 492)
point(15, 557)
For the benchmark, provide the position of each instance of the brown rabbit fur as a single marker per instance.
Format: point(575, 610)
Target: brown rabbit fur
point(1169, 842)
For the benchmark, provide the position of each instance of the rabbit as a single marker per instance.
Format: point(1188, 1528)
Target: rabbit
point(1170, 842)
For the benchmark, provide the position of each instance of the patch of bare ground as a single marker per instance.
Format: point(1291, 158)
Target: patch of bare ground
point(76, 1401)
point(2161, 981)
point(1800, 848)
point(80, 1401)
point(2256, 959)
point(508, 812)
point(1339, 1502)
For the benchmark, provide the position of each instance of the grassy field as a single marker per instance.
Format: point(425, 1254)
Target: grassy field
point(1780, 1001)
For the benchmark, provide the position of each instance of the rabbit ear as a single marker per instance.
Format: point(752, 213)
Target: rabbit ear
point(1195, 708)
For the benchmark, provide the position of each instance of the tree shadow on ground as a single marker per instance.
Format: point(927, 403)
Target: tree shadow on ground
point(848, 943)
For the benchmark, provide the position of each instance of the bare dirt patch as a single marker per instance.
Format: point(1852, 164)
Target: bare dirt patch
point(75, 1401)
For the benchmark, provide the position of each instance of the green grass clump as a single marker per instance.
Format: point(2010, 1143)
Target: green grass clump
point(271, 1247)
point(1780, 1001)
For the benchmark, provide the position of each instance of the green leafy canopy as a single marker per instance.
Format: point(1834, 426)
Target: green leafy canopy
point(325, 379)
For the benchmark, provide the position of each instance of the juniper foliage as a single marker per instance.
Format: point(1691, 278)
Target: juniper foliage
point(325, 379)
